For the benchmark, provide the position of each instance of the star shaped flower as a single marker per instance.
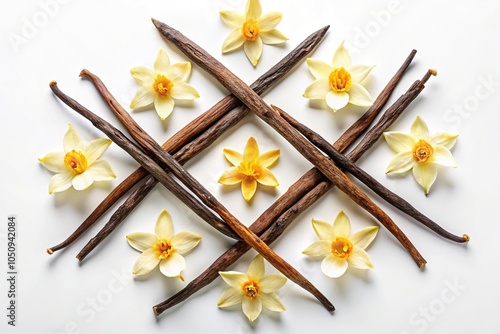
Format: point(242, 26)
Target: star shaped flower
point(252, 30)
point(78, 166)
point(250, 168)
point(162, 248)
point(420, 152)
point(163, 85)
point(339, 248)
point(340, 83)
point(253, 290)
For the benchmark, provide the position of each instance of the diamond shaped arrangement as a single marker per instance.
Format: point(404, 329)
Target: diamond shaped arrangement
point(156, 160)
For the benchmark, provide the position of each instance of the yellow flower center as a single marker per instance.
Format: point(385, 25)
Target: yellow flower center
point(250, 30)
point(162, 249)
point(162, 85)
point(340, 80)
point(250, 169)
point(75, 162)
point(251, 289)
point(422, 151)
point(341, 248)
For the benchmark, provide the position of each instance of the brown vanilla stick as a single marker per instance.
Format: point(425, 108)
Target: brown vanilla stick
point(189, 181)
point(200, 127)
point(309, 188)
point(255, 103)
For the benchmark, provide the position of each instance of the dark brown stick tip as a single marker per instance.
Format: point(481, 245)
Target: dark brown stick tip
point(466, 237)
point(50, 251)
point(155, 310)
point(53, 83)
point(156, 23)
point(84, 73)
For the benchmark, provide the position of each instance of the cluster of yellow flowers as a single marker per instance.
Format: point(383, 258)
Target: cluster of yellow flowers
point(338, 84)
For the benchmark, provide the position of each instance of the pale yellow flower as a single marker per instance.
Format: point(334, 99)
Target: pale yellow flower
point(162, 85)
point(162, 248)
point(339, 248)
point(420, 152)
point(250, 168)
point(252, 30)
point(77, 166)
point(340, 83)
point(253, 290)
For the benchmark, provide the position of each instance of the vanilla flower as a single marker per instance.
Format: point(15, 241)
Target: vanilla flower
point(340, 83)
point(339, 248)
point(250, 168)
point(163, 85)
point(253, 290)
point(251, 30)
point(163, 248)
point(77, 166)
point(420, 152)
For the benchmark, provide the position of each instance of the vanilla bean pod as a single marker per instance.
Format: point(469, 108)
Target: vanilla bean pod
point(236, 86)
point(304, 192)
point(202, 131)
point(179, 172)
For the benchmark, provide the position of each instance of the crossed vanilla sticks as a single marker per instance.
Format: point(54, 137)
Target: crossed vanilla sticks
point(154, 149)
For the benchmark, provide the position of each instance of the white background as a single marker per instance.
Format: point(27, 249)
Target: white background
point(457, 292)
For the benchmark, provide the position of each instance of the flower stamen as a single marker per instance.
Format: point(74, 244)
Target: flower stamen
point(340, 80)
point(75, 162)
point(162, 249)
point(162, 85)
point(422, 151)
point(250, 169)
point(250, 30)
point(341, 248)
point(251, 289)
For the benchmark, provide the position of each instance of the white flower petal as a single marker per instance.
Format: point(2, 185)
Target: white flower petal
point(95, 149)
point(164, 106)
point(179, 72)
point(146, 262)
point(272, 37)
point(54, 161)
point(342, 225)
point(359, 96)
point(234, 279)
point(256, 268)
point(143, 97)
point(319, 249)
point(141, 240)
point(269, 21)
point(164, 228)
point(185, 241)
point(272, 302)
point(444, 139)
point(318, 68)
point(230, 297)
point(399, 141)
point(442, 156)
point(253, 50)
point(364, 237)
point(272, 282)
point(83, 180)
point(143, 75)
point(162, 62)
point(341, 58)
point(401, 163)
point(233, 41)
point(333, 267)
point(419, 129)
point(337, 100)
point(101, 170)
point(60, 182)
point(425, 174)
point(360, 72)
point(232, 18)
point(184, 91)
point(323, 230)
point(72, 140)
point(253, 10)
point(251, 308)
point(173, 265)
point(318, 90)
point(360, 259)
